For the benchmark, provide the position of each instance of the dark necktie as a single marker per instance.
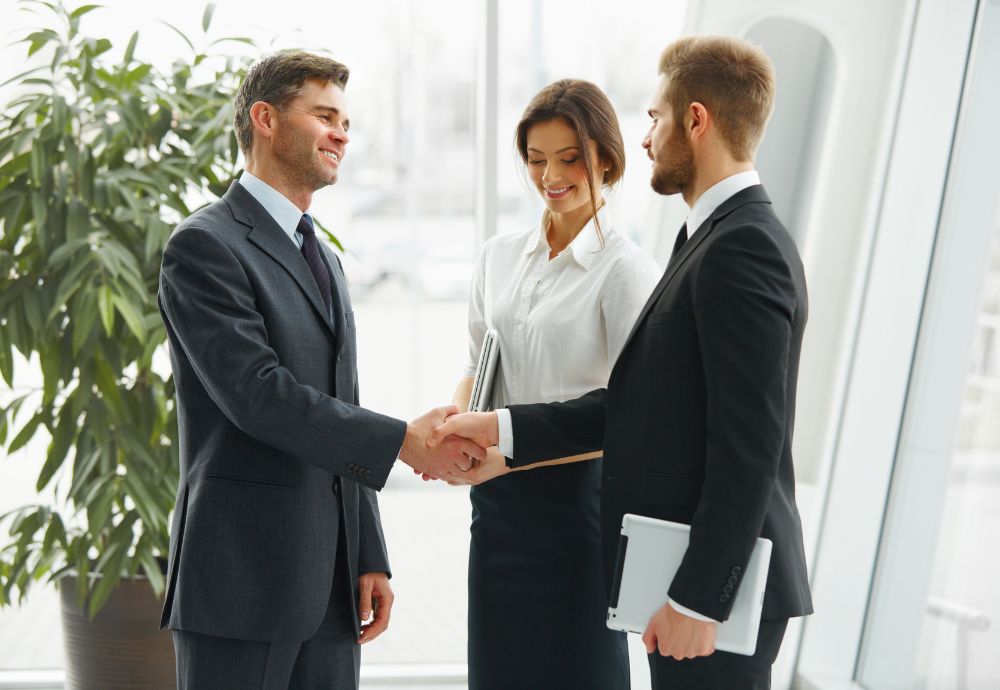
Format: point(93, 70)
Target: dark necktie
point(310, 250)
point(682, 237)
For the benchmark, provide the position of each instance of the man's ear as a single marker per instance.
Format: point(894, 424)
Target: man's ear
point(696, 120)
point(263, 117)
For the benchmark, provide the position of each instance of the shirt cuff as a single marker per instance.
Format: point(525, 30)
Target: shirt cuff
point(505, 430)
point(689, 613)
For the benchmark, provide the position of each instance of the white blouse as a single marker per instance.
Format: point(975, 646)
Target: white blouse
point(561, 323)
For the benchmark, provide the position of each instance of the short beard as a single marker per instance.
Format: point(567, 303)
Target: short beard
point(299, 163)
point(673, 171)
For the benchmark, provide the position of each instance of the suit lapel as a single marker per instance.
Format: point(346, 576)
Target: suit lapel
point(754, 194)
point(272, 240)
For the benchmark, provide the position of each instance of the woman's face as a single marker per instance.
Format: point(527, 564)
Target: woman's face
point(555, 164)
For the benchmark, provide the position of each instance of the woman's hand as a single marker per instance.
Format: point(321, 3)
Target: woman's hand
point(495, 465)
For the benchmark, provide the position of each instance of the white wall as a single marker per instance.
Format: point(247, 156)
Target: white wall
point(848, 154)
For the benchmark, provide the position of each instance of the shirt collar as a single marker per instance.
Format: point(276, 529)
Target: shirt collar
point(715, 195)
point(584, 246)
point(286, 214)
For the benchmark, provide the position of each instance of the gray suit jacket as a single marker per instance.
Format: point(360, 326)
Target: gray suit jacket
point(274, 450)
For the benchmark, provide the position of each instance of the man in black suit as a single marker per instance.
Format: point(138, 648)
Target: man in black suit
point(277, 555)
point(696, 421)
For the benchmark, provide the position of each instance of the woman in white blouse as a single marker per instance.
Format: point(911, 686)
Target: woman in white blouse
point(563, 297)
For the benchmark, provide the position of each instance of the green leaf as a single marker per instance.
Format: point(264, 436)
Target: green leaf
point(26, 433)
point(130, 49)
point(83, 316)
point(98, 501)
point(330, 236)
point(206, 18)
point(6, 362)
point(38, 164)
point(104, 302)
point(67, 250)
point(233, 39)
point(84, 9)
point(133, 319)
point(77, 224)
point(102, 45)
point(83, 475)
point(39, 39)
point(151, 567)
point(54, 533)
point(62, 438)
point(20, 77)
point(181, 34)
point(138, 74)
point(73, 280)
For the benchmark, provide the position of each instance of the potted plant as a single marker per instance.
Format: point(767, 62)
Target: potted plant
point(101, 154)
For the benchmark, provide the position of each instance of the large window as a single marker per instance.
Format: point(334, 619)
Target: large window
point(405, 209)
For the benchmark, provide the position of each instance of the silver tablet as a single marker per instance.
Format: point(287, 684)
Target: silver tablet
point(649, 554)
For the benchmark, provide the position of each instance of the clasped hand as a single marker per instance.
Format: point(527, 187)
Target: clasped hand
point(445, 444)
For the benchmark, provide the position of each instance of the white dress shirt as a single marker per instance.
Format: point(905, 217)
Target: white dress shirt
point(561, 323)
point(713, 197)
point(286, 214)
point(705, 206)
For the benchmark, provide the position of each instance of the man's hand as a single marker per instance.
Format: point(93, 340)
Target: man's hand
point(375, 595)
point(447, 457)
point(677, 635)
point(495, 465)
point(479, 427)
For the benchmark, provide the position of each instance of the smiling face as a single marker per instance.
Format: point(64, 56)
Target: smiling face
point(555, 165)
point(310, 138)
point(668, 147)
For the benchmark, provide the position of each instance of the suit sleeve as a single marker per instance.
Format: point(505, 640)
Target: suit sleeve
point(207, 302)
point(373, 556)
point(546, 431)
point(744, 303)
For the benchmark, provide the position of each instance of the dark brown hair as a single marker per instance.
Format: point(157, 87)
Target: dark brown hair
point(589, 113)
point(732, 78)
point(277, 79)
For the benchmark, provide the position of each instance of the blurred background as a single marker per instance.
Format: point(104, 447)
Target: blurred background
point(881, 157)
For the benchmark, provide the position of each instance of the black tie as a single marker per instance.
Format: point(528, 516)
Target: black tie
point(310, 250)
point(682, 237)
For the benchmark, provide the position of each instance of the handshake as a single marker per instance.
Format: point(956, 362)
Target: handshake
point(459, 448)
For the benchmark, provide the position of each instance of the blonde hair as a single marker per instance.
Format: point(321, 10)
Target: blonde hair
point(731, 77)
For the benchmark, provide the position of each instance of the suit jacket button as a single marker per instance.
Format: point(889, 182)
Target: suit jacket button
point(339, 357)
point(735, 571)
point(728, 589)
point(724, 598)
point(732, 580)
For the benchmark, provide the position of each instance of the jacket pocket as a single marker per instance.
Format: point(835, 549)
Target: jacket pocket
point(250, 482)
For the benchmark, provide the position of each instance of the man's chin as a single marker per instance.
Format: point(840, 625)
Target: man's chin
point(665, 187)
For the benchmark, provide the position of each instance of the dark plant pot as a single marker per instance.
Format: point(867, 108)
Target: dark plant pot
point(123, 647)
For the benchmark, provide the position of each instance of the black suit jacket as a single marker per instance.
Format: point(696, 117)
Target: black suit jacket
point(696, 421)
point(274, 450)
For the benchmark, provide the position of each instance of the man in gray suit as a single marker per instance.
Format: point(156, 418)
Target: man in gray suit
point(277, 555)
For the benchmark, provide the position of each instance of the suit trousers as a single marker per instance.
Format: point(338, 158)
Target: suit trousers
point(329, 660)
point(722, 670)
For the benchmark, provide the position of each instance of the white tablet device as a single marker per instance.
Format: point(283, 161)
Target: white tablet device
point(649, 554)
point(486, 372)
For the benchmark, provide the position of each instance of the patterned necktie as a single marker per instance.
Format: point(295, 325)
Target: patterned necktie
point(310, 250)
point(679, 242)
